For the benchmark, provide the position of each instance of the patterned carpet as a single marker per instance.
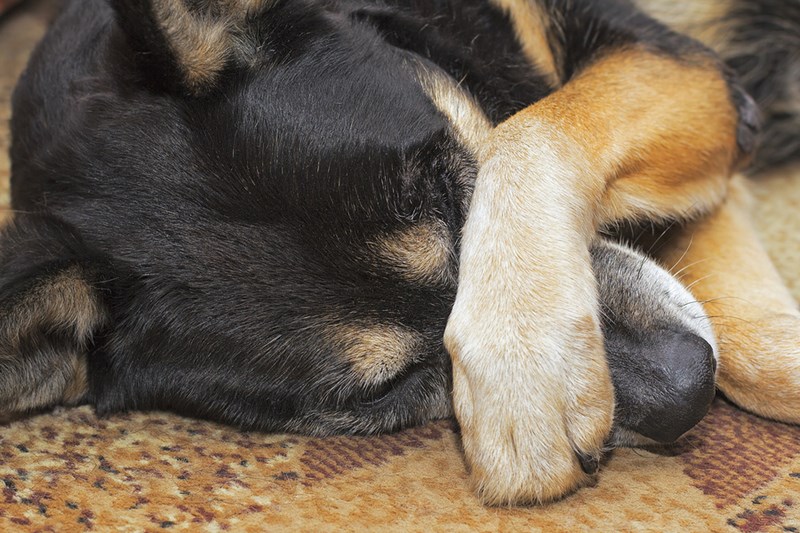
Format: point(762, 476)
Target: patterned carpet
point(70, 471)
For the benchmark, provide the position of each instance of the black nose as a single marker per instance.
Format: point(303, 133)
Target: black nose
point(683, 386)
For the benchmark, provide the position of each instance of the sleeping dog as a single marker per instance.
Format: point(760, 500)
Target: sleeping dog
point(331, 216)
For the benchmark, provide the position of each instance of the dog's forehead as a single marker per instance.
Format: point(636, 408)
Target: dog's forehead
point(338, 96)
point(337, 127)
point(341, 90)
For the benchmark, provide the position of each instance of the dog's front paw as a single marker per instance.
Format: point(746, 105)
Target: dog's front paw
point(534, 399)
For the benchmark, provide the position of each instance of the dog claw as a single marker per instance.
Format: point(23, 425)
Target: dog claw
point(589, 464)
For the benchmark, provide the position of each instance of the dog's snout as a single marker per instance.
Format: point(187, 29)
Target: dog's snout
point(688, 366)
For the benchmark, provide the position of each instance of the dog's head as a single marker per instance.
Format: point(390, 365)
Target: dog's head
point(250, 211)
point(262, 182)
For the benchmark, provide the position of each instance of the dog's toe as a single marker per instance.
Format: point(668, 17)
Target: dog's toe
point(590, 464)
point(533, 424)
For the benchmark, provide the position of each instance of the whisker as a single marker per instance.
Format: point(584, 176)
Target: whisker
point(732, 317)
point(677, 274)
point(655, 242)
point(686, 251)
point(695, 282)
point(641, 267)
point(638, 236)
point(704, 302)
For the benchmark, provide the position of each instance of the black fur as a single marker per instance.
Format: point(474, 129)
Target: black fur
point(764, 49)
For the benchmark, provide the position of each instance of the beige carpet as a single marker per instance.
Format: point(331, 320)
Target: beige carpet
point(70, 471)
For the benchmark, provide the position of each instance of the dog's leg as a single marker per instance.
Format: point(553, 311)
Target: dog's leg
point(634, 134)
point(757, 321)
point(50, 310)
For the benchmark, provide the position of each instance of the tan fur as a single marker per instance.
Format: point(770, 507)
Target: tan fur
point(65, 384)
point(205, 42)
point(376, 352)
point(421, 253)
point(634, 135)
point(531, 28)
point(471, 125)
point(47, 378)
point(78, 385)
point(530, 379)
point(65, 300)
point(201, 44)
point(756, 319)
point(667, 152)
point(705, 20)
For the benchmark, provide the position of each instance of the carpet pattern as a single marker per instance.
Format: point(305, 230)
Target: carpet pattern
point(71, 471)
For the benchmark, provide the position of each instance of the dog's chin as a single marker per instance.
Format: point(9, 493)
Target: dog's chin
point(661, 347)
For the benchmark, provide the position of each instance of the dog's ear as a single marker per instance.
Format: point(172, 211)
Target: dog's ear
point(186, 45)
point(50, 310)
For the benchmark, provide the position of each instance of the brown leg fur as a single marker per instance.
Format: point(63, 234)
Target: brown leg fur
point(755, 317)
